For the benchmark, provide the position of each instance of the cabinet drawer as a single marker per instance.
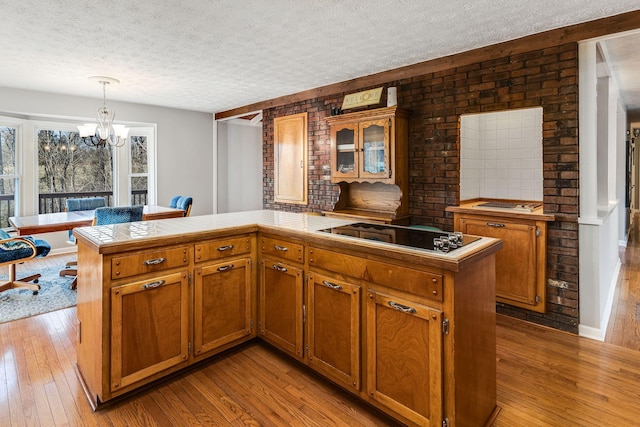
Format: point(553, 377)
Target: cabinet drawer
point(423, 283)
point(147, 262)
point(222, 248)
point(282, 249)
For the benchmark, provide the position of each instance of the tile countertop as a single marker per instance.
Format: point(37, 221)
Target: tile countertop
point(120, 237)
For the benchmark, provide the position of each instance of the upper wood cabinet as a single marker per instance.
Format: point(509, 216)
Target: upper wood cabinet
point(290, 159)
point(361, 150)
point(369, 146)
point(369, 161)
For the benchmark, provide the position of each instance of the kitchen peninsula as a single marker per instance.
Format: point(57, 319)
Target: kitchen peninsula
point(410, 331)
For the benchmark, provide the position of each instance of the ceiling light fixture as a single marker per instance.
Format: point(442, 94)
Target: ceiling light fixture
point(105, 132)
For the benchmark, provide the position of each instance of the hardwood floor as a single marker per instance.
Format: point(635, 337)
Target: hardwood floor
point(545, 378)
point(624, 323)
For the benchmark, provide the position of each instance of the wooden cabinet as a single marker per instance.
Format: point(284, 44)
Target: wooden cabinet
point(410, 333)
point(521, 264)
point(404, 357)
point(223, 293)
point(281, 294)
point(290, 159)
point(149, 328)
point(369, 161)
point(362, 150)
point(427, 335)
point(333, 328)
point(222, 304)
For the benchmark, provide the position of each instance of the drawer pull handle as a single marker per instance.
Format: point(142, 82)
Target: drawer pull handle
point(403, 308)
point(279, 268)
point(153, 285)
point(331, 285)
point(281, 248)
point(495, 224)
point(225, 267)
point(154, 261)
point(225, 248)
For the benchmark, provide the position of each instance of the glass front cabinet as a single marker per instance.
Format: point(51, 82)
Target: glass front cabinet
point(363, 146)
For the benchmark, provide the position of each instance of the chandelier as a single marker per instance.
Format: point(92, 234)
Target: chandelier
point(105, 132)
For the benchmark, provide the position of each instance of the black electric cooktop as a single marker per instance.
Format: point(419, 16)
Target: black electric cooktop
point(440, 241)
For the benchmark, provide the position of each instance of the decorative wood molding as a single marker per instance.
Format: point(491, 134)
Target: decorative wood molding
point(571, 34)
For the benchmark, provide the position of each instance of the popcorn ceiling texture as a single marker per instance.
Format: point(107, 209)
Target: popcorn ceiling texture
point(217, 55)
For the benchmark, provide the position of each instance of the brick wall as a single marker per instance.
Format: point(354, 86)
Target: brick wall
point(546, 78)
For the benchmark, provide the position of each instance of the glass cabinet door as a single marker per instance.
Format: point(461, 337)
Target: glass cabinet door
point(344, 140)
point(375, 149)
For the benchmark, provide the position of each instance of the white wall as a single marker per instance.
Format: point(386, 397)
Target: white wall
point(185, 156)
point(239, 167)
point(602, 144)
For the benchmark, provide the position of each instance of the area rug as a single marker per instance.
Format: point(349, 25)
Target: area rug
point(54, 294)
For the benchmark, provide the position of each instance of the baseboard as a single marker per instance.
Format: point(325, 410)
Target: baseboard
point(600, 333)
point(64, 251)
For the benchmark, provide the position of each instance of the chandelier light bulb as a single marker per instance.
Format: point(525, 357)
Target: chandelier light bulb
point(105, 132)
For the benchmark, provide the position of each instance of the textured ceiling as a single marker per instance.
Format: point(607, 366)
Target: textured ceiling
point(220, 54)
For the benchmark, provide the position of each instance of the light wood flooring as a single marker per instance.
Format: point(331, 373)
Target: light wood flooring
point(545, 378)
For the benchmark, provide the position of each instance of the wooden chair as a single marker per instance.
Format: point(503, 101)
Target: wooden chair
point(182, 202)
point(83, 204)
point(16, 250)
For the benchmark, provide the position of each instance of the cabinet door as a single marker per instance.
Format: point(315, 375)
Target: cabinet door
point(404, 358)
point(281, 305)
point(516, 273)
point(222, 304)
point(290, 159)
point(149, 328)
point(374, 149)
point(344, 147)
point(333, 328)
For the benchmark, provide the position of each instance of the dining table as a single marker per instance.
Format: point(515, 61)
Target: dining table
point(62, 221)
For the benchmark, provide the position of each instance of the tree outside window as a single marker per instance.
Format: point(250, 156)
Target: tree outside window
point(138, 169)
point(71, 167)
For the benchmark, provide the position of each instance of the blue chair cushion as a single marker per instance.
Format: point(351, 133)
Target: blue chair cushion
point(118, 215)
point(86, 204)
point(15, 249)
point(184, 202)
point(174, 201)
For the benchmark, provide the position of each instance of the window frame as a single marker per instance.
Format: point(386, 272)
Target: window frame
point(17, 176)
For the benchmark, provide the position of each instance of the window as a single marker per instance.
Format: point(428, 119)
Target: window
point(9, 179)
point(70, 167)
point(138, 169)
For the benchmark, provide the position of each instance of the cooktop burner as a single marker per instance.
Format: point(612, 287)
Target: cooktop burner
point(440, 241)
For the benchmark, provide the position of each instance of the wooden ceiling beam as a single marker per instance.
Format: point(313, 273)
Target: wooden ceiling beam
point(574, 33)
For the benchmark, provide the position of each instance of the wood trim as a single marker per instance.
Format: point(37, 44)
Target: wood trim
point(571, 34)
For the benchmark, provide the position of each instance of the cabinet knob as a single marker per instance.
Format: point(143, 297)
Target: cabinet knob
point(435, 292)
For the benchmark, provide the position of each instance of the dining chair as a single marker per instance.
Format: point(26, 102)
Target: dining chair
point(16, 250)
point(117, 215)
point(82, 204)
point(182, 202)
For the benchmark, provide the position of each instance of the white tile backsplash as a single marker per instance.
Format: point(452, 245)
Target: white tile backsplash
point(501, 155)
